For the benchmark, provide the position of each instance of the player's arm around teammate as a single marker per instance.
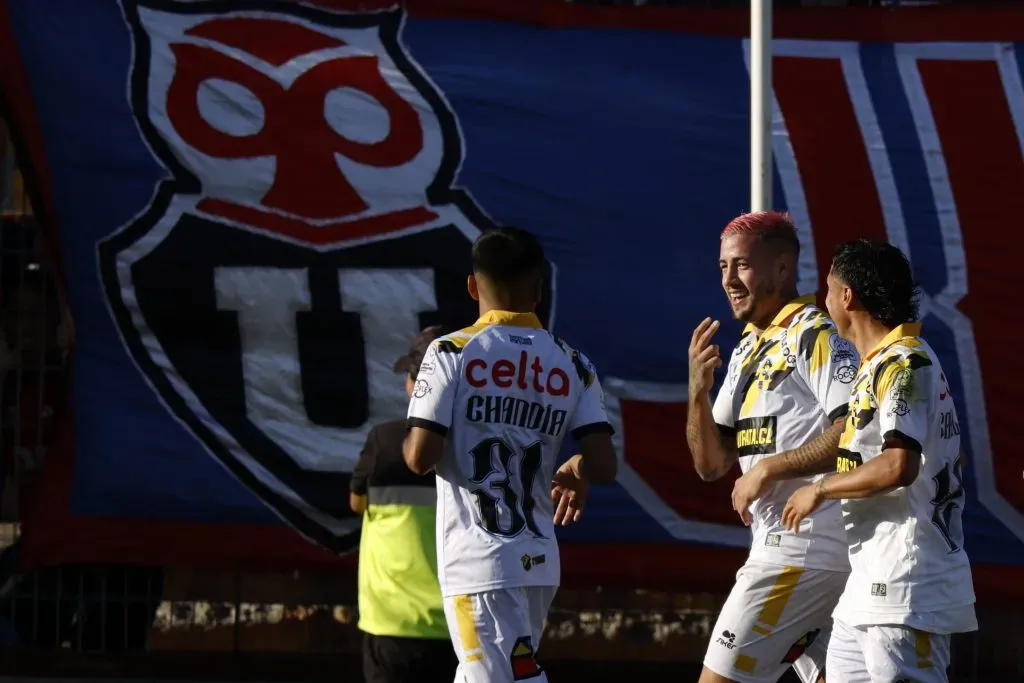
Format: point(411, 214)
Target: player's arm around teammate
point(828, 365)
point(897, 466)
point(815, 457)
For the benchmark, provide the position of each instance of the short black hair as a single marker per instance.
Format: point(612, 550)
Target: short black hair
point(881, 278)
point(508, 256)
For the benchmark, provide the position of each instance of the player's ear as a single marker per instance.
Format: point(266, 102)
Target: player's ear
point(785, 266)
point(847, 298)
point(472, 287)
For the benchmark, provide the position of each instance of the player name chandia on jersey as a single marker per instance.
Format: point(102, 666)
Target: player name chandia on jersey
point(899, 475)
point(491, 407)
point(779, 414)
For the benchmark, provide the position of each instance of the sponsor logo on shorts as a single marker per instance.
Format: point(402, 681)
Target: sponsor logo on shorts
point(531, 562)
point(524, 664)
point(773, 540)
point(878, 590)
point(756, 435)
point(727, 640)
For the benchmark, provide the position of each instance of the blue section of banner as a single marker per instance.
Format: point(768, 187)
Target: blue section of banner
point(626, 151)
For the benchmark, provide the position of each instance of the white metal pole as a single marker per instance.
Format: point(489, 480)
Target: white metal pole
point(760, 105)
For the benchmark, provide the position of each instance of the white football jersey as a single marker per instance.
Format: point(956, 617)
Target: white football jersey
point(505, 392)
point(907, 546)
point(785, 386)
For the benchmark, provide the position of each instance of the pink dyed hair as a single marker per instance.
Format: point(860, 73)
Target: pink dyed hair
point(767, 225)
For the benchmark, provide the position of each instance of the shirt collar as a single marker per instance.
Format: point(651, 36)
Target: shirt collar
point(510, 319)
point(785, 314)
point(898, 332)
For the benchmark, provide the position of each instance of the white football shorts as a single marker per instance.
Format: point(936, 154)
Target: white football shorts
point(776, 617)
point(886, 654)
point(496, 633)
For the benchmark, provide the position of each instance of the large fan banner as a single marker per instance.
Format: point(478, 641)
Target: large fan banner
point(256, 204)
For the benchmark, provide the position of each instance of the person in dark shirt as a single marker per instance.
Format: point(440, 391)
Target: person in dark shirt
point(400, 609)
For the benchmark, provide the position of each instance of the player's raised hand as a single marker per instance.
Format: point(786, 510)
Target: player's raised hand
point(569, 491)
point(704, 356)
point(803, 502)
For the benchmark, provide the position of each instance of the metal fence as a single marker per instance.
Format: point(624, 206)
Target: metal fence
point(119, 613)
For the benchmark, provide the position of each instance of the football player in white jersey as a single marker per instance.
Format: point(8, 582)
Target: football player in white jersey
point(491, 406)
point(781, 407)
point(900, 478)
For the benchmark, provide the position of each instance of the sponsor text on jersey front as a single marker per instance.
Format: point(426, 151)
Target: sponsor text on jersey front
point(785, 386)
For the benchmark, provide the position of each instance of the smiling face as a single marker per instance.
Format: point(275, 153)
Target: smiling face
point(753, 277)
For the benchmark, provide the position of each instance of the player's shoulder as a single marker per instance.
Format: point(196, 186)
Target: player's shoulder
point(809, 323)
point(811, 317)
point(913, 352)
point(903, 364)
point(581, 364)
point(455, 342)
point(815, 335)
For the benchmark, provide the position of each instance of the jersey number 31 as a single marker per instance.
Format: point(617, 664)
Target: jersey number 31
point(493, 473)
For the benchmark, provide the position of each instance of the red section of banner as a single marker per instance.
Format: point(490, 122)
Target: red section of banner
point(53, 536)
point(875, 24)
point(667, 465)
point(986, 174)
point(830, 153)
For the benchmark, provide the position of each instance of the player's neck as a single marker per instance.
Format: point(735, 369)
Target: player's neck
point(784, 299)
point(866, 333)
point(509, 305)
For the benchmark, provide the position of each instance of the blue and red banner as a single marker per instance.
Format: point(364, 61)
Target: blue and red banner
point(255, 205)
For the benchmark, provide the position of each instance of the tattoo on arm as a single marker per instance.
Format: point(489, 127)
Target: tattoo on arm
point(816, 457)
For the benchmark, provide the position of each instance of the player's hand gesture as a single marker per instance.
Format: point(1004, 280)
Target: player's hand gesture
point(569, 491)
point(803, 502)
point(704, 357)
point(747, 489)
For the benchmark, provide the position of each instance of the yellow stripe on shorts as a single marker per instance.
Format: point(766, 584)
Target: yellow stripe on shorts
point(466, 624)
point(779, 596)
point(923, 649)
